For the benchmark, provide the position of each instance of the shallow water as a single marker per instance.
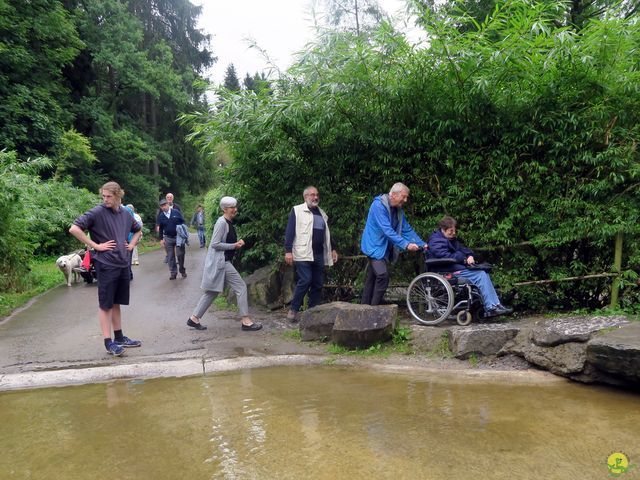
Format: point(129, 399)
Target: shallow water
point(323, 422)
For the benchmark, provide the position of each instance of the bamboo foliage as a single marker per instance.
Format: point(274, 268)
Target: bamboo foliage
point(524, 129)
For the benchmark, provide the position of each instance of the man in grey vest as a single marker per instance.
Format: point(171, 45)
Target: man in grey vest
point(308, 246)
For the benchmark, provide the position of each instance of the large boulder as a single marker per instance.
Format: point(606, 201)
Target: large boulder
point(288, 284)
point(271, 286)
point(349, 325)
point(482, 339)
point(264, 287)
point(586, 349)
point(565, 359)
point(617, 352)
point(316, 324)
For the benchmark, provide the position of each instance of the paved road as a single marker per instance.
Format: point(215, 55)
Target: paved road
point(60, 328)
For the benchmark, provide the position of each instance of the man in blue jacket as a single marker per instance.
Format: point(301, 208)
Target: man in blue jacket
point(386, 233)
point(444, 244)
point(168, 221)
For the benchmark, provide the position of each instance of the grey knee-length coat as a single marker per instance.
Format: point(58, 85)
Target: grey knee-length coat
point(213, 274)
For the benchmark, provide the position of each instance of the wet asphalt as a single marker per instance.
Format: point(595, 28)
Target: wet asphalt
point(60, 329)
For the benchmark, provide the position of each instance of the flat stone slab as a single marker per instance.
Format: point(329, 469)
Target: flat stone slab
point(487, 339)
point(617, 352)
point(426, 339)
point(556, 331)
point(347, 324)
point(316, 324)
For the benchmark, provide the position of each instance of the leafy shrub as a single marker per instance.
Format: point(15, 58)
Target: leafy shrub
point(36, 215)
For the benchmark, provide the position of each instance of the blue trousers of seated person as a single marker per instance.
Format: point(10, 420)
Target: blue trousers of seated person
point(481, 279)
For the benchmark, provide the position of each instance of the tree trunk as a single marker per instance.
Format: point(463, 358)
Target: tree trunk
point(152, 131)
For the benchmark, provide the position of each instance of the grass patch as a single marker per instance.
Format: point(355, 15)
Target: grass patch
point(630, 312)
point(473, 360)
point(399, 344)
point(221, 302)
point(293, 334)
point(149, 244)
point(375, 349)
point(43, 275)
point(442, 349)
point(606, 330)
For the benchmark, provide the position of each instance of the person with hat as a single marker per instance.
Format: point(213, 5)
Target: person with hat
point(168, 221)
point(219, 270)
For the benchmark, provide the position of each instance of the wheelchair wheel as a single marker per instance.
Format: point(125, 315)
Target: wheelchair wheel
point(478, 314)
point(464, 317)
point(430, 298)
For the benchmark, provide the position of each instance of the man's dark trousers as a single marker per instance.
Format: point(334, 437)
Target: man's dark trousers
point(376, 282)
point(310, 278)
point(172, 253)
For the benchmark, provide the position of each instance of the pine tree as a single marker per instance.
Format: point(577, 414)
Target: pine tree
point(231, 81)
point(248, 82)
point(257, 83)
point(355, 16)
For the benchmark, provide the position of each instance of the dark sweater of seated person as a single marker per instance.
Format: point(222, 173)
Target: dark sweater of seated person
point(441, 247)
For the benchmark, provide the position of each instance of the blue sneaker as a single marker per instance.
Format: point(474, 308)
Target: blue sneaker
point(114, 349)
point(127, 342)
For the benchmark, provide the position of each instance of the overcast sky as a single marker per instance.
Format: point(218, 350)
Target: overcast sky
point(280, 27)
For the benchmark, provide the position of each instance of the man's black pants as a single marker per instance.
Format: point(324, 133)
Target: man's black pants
point(376, 282)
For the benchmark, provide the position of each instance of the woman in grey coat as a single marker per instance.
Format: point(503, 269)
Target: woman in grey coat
point(218, 269)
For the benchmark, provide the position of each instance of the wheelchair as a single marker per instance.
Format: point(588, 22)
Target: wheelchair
point(435, 296)
point(87, 274)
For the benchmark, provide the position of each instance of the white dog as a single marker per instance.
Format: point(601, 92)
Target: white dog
point(67, 263)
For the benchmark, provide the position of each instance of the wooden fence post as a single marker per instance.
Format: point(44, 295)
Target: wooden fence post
point(617, 268)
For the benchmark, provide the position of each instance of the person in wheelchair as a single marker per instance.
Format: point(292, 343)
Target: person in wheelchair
point(444, 244)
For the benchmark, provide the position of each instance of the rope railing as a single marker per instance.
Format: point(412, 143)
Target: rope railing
point(614, 287)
